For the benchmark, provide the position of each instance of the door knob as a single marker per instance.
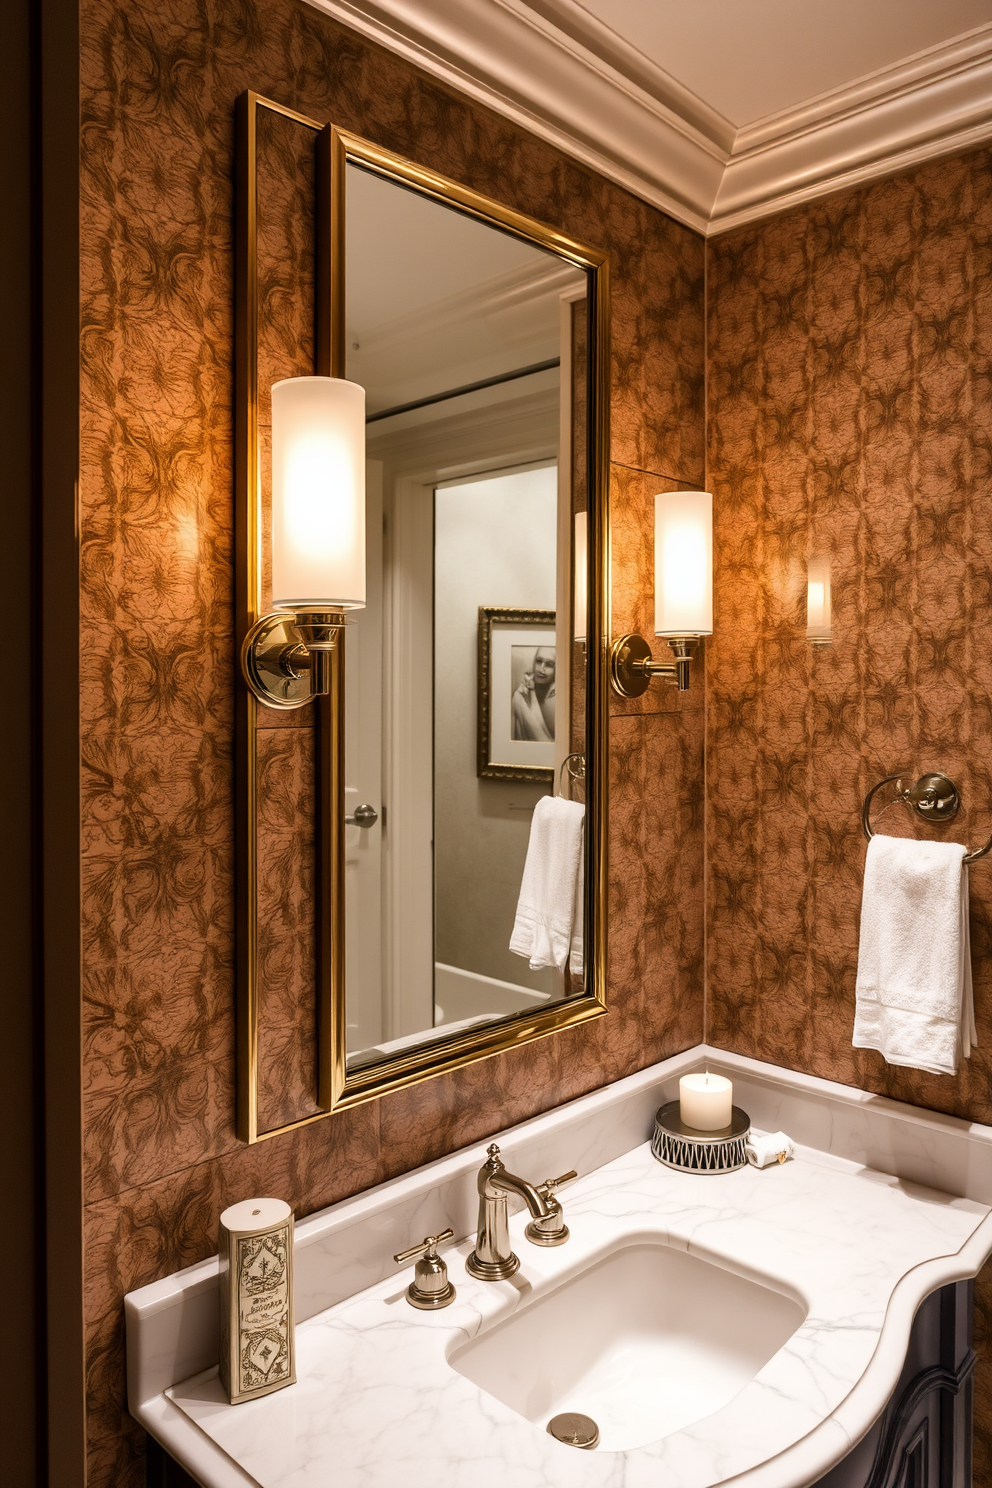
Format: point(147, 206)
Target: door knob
point(365, 816)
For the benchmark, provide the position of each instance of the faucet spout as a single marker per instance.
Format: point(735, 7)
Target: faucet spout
point(493, 1259)
point(504, 1182)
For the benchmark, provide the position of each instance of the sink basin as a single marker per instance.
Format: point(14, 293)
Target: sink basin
point(645, 1340)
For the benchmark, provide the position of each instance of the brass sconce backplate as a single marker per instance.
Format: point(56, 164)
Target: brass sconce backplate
point(632, 667)
point(267, 662)
point(627, 659)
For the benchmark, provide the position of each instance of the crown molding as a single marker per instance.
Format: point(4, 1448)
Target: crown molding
point(551, 67)
point(937, 103)
point(514, 62)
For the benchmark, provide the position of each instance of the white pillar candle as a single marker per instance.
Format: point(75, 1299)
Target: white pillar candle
point(705, 1101)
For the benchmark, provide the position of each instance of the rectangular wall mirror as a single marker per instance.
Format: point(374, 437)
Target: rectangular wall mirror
point(473, 682)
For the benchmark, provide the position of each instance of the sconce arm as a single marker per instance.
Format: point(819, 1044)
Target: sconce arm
point(632, 667)
point(286, 657)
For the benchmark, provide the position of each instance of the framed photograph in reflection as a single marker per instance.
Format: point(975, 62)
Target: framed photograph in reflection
point(517, 664)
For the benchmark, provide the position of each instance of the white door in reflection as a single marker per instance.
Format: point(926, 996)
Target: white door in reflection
point(495, 545)
point(363, 787)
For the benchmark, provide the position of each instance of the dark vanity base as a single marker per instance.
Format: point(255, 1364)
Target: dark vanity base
point(923, 1437)
point(921, 1440)
point(164, 1471)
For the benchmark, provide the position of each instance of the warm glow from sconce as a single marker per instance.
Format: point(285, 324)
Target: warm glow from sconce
point(318, 494)
point(683, 563)
point(581, 582)
point(818, 618)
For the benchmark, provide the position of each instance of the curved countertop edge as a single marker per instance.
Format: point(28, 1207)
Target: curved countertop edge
point(192, 1448)
point(797, 1466)
point(827, 1444)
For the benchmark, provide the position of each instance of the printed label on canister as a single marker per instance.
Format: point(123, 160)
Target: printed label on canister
point(263, 1309)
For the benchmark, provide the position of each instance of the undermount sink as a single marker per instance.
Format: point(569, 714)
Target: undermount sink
point(646, 1341)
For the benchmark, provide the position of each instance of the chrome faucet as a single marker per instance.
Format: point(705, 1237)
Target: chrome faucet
point(492, 1259)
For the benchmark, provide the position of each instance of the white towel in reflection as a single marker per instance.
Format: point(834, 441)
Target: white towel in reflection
point(546, 923)
point(915, 1003)
point(578, 908)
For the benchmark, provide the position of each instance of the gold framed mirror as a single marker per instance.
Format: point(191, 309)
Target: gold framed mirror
point(379, 856)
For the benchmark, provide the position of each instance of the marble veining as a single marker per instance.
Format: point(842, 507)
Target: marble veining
point(377, 1402)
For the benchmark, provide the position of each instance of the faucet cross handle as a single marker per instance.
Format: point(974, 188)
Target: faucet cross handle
point(550, 1184)
point(426, 1248)
point(430, 1287)
point(552, 1230)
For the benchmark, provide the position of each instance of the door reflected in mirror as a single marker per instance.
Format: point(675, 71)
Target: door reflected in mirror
point(465, 687)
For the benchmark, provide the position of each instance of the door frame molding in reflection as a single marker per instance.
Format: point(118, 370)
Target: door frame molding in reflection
point(337, 1086)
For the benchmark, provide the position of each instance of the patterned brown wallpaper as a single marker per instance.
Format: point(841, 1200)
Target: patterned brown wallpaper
point(849, 402)
point(162, 1160)
point(849, 415)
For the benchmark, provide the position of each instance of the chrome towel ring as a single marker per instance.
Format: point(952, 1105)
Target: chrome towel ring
point(574, 772)
point(934, 798)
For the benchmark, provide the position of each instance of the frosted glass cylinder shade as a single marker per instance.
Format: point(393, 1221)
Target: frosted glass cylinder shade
point(581, 586)
point(818, 617)
point(683, 563)
point(318, 494)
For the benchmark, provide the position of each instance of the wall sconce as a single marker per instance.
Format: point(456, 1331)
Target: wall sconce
point(318, 538)
point(580, 586)
point(683, 594)
point(818, 618)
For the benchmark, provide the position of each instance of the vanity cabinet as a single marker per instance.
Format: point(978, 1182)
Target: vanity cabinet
point(163, 1471)
point(923, 1437)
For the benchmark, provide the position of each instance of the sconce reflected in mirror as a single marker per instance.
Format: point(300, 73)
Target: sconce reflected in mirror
point(318, 538)
point(683, 594)
point(819, 631)
point(580, 586)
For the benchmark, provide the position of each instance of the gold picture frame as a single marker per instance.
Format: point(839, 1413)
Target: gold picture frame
point(337, 1086)
point(495, 711)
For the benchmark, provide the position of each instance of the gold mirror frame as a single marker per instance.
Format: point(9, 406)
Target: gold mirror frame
point(337, 1087)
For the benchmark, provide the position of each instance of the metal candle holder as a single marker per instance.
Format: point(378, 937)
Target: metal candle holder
point(691, 1151)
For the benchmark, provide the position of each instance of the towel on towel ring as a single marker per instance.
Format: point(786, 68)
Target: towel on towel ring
point(915, 1003)
point(548, 925)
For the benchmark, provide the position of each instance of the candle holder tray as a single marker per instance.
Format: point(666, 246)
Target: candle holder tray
point(691, 1151)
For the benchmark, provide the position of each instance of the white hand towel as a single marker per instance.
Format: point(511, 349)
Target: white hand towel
point(575, 961)
point(545, 922)
point(915, 1003)
point(763, 1148)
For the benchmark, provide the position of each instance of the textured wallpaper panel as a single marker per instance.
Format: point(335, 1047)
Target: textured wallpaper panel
point(159, 88)
point(850, 416)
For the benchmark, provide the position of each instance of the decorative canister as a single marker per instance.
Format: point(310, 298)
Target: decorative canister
point(257, 1343)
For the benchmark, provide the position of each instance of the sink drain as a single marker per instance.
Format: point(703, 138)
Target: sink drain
point(575, 1430)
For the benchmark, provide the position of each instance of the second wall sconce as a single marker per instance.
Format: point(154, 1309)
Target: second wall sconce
point(819, 623)
point(683, 594)
point(318, 538)
point(580, 589)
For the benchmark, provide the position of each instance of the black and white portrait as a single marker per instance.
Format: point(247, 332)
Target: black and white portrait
point(532, 684)
point(517, 669)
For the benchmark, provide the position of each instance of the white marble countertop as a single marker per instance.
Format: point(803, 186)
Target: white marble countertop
point(377, 1404)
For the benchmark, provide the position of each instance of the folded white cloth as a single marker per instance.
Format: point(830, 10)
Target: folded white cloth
point(578, 911)
point(915, 1003)
point(762, 1148)
point(545, 923)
